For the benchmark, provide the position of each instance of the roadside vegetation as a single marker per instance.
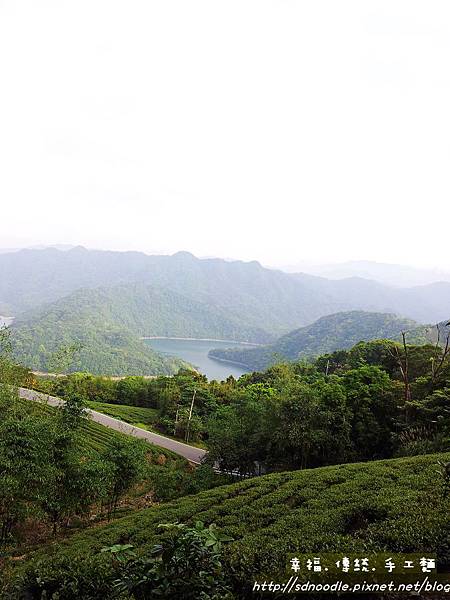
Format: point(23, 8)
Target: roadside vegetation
point(59, 471)
point(380, 399)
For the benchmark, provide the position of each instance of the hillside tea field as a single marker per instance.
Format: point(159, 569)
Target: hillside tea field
point(391, 505)
point(134, 415)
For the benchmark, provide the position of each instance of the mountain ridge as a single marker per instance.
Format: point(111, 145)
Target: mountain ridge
point(280, 301)
point(329, 333)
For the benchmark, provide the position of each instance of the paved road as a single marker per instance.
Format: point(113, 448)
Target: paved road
point(194, 455)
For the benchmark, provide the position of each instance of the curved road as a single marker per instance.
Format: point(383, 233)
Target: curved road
point(192, 454)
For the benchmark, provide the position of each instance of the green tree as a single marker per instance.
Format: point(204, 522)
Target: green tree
point(25, 460)
point(238, 435)
point(372, 398)
point(299, 433)
point(78, 479)
point(127, 460)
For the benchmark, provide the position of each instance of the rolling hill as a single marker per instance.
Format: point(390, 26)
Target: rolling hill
point(387, 273)
point(342, 330)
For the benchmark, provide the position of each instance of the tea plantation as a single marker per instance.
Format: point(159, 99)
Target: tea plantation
point(135, 415)
point(395, 505)
point(98, 437)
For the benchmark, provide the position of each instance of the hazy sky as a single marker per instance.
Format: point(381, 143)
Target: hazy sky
point(279, 131)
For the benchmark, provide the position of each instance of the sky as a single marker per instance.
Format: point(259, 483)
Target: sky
point(281, 131)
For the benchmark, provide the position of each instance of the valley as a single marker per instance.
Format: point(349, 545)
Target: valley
point(106, 302)
point(197, 353)
point(274, 407)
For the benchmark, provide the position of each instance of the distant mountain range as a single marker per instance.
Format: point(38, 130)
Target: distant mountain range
point(62, 247)
point(388, 274)
point(327, 334)
point(60, 295)
point(262, 298)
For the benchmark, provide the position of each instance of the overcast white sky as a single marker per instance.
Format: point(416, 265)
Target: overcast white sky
point(280, 131)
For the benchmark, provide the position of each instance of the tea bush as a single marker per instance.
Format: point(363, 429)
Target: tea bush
point(396, 505)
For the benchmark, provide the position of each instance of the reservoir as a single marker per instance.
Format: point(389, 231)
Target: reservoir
point(196, 353)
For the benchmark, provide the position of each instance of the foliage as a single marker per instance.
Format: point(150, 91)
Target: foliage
point(53, 470)
point(25, 462)
point(339, 331)
point(173, 481)
point(186, 565)
point(344, 406)
point(10, 372)
point(82, 332)
point(445, 472)
point(391, 505)
point(126, 458)
point(135, 415)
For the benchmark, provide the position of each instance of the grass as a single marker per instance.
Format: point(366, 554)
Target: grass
point(95, 436)
point(395, 506)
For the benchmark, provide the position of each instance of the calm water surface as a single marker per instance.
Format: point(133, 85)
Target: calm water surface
point(196, 353)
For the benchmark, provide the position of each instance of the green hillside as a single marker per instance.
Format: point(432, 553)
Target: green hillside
point(105, 346)
point(98, 438)
point(151, 311)
point(246, 293)
point(363, 507)
point(109, 324)
point(425, 334)
point(339, 331)
point(107, 301)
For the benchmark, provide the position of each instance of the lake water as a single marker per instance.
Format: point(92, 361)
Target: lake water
point(196, 353)
point(5, 321)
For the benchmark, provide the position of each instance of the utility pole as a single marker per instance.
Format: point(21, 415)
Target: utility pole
point(190, 415)
point(176, 421)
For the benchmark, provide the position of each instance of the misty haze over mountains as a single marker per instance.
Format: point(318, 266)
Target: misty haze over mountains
point(395, 275)
point(389, 274)
point(245, 290)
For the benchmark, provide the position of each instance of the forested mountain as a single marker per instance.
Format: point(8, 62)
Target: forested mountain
point(342, 330)
point(247, 292)
point(107, 344)
point(109, 322)
point(430, 334)
point(108, 300)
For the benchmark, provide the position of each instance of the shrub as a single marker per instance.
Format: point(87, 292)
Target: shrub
point(186, 565)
